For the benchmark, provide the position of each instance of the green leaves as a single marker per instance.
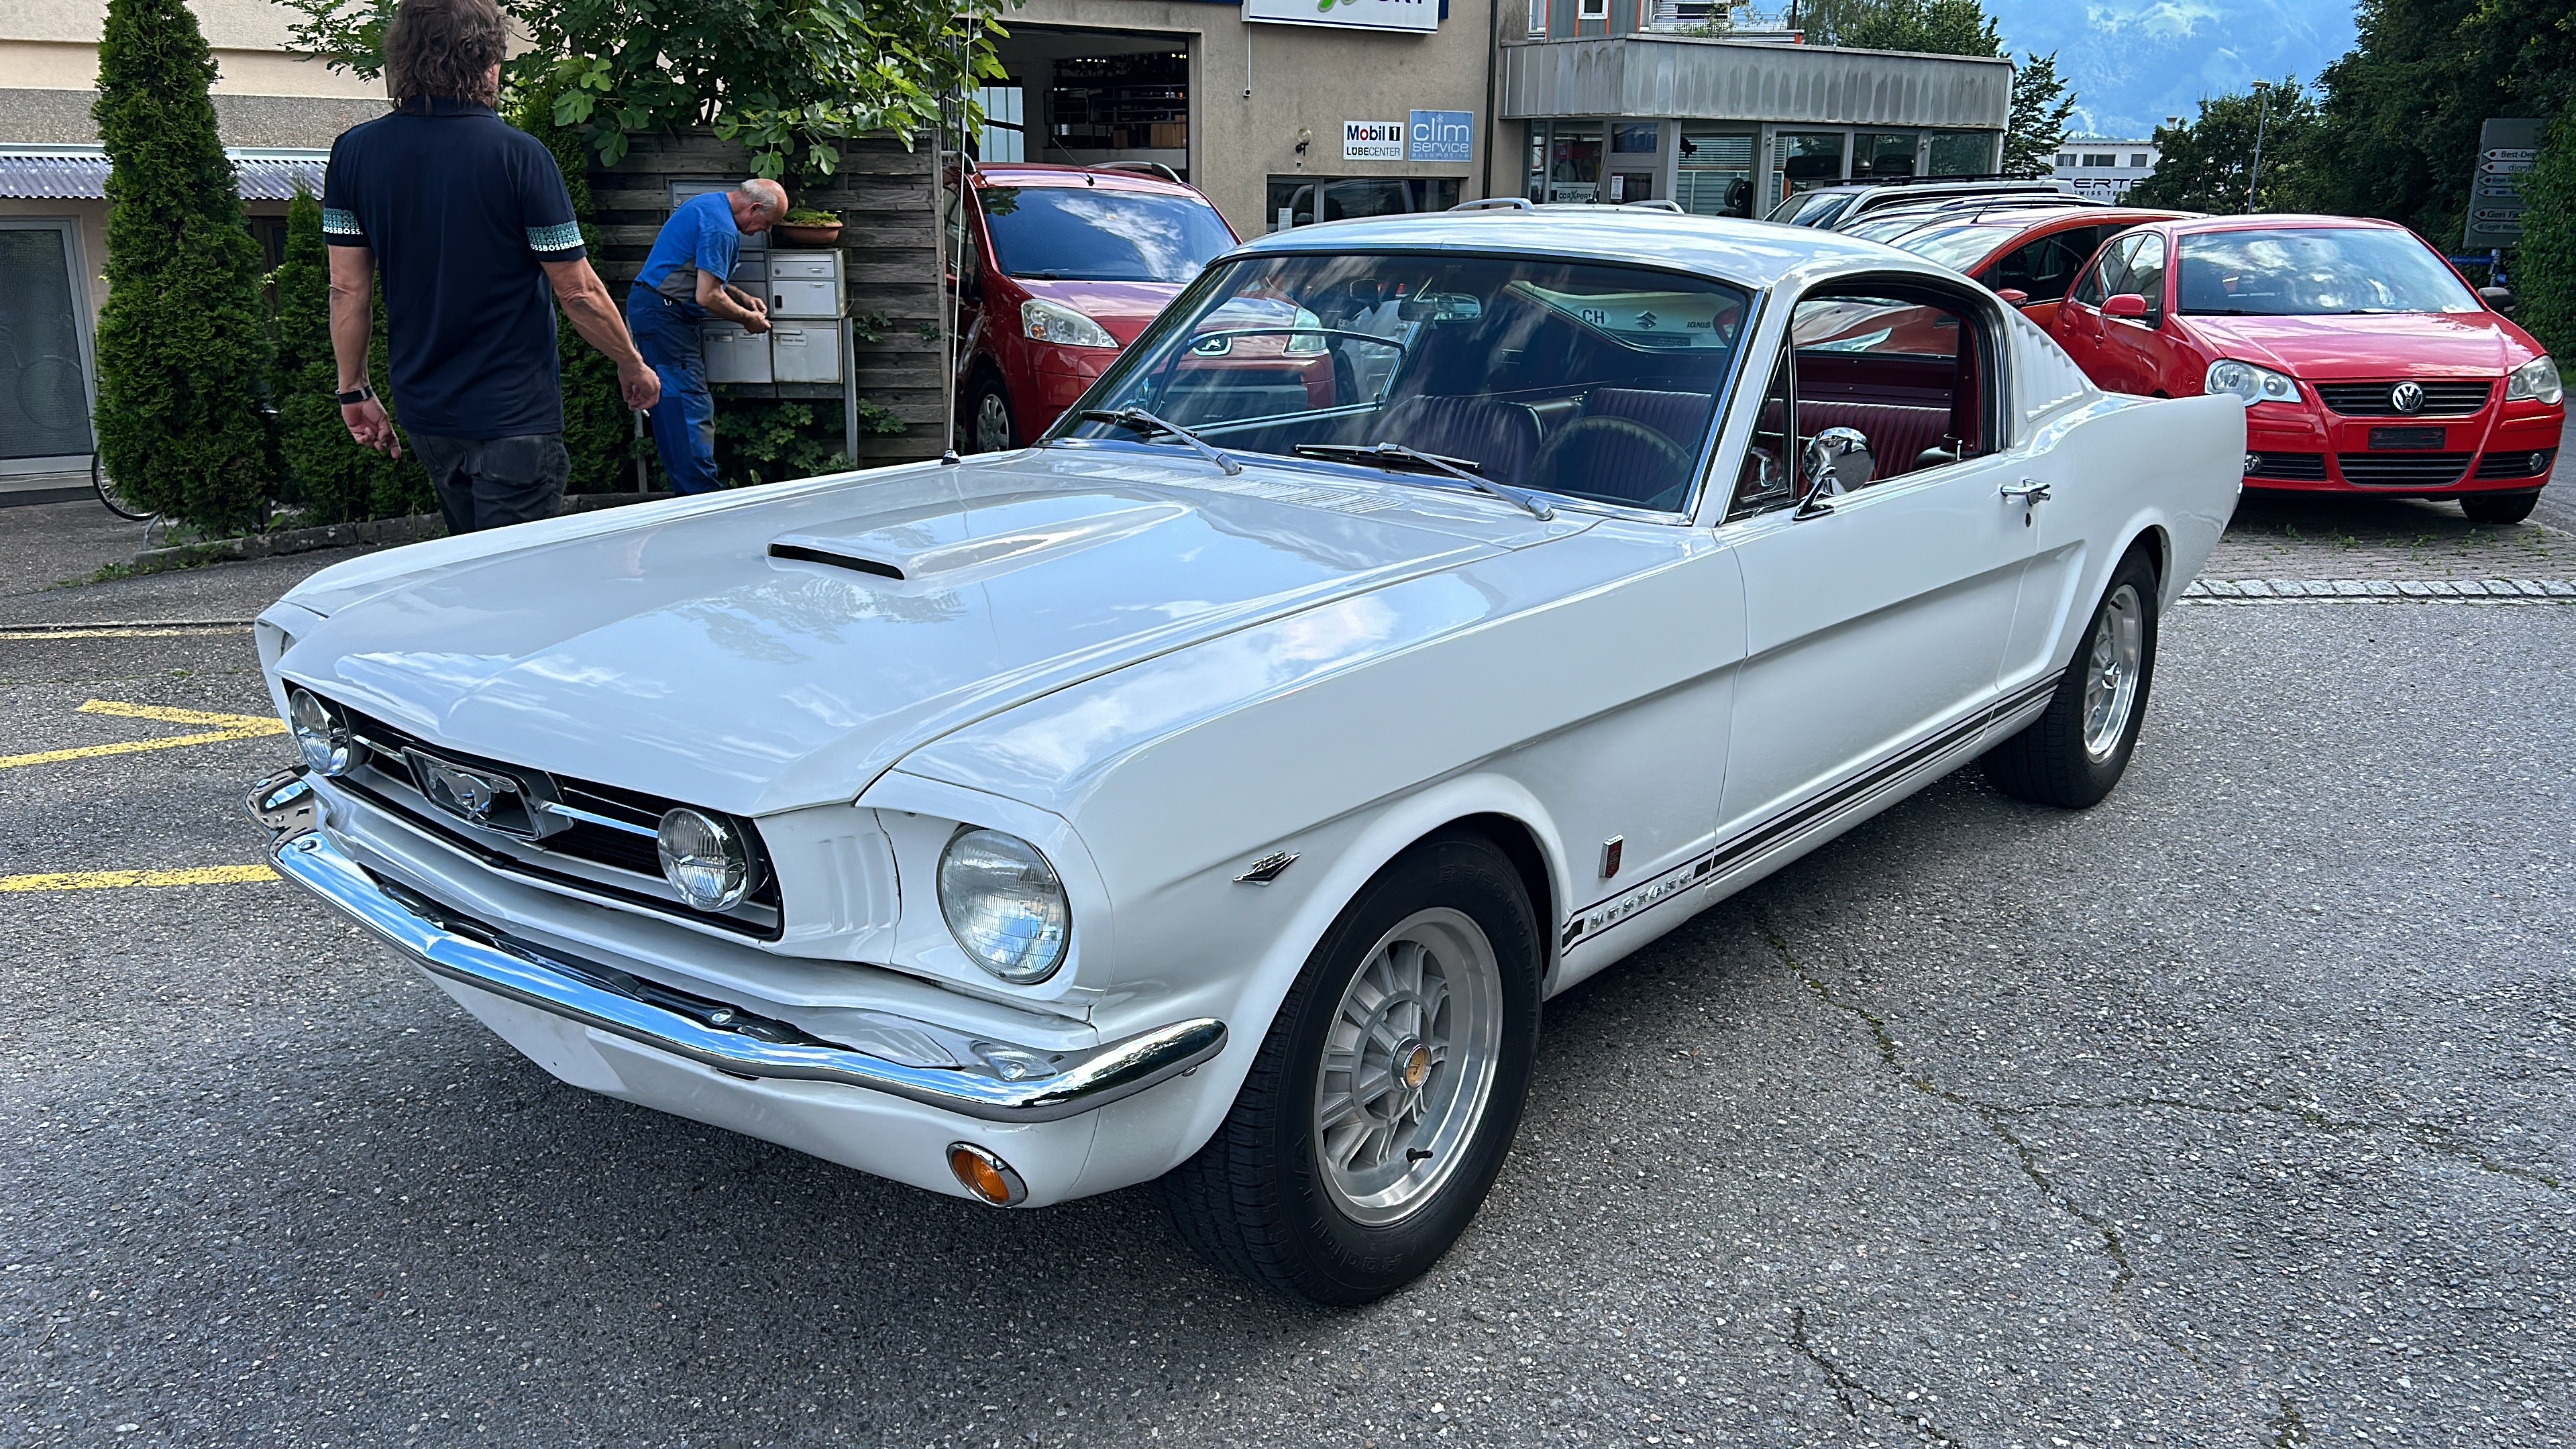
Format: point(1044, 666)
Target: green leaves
point(787, 78)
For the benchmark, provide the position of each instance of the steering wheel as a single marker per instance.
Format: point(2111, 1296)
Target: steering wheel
point(1555, 453)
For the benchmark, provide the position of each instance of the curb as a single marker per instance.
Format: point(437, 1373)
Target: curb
point(373, 533)
point(2560, 591)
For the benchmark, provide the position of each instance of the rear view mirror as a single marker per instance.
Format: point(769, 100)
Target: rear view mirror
point(2127, 304)
point(2500, 298)
point(2015, 296)
point(1441, 307)
point(1836, 461)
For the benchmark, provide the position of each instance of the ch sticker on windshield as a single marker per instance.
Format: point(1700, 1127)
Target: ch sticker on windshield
point(1662, 320)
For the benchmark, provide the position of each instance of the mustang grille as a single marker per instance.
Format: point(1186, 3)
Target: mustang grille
point(2403, 470)
point(2370, 399)
point(2517, 464)
point(633, 867)
point(2298, 467)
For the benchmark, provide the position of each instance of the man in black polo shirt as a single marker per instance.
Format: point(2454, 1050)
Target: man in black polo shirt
point(477, 236)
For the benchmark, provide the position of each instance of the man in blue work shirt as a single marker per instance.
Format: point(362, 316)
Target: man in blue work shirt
point(476, 233)
point(685, 281)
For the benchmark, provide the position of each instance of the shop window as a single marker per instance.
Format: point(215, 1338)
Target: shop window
point(1636, 138)
point(1715, 174)
point(1962, 153)
point(1574, 161)
point(1883, 153)
point(1809, 161)
point(1304, 200)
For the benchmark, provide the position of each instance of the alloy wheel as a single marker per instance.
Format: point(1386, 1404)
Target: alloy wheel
point(2111, 671)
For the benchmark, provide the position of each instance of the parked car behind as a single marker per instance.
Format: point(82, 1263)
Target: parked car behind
point(2365, 363)
point(1055, 269)
point(1838, 208)
point(1211, 794)
point(2028, 255)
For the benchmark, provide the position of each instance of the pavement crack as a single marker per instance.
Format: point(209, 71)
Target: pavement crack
point(2430, 1136)
point(1850, 1392)
point(2289, 1431)
point(1993, 1115)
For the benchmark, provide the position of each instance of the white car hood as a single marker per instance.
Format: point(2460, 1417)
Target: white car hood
point(675, 652)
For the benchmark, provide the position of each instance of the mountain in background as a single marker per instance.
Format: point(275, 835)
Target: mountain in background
point(2132, 63)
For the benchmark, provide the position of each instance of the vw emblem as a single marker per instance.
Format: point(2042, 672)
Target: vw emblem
point(2406, 397)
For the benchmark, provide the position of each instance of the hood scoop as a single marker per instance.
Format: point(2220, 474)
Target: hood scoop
point(946, 549)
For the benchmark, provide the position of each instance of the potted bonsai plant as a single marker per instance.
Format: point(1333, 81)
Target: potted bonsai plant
point(806, 227)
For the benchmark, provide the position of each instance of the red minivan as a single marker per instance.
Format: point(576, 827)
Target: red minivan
point(1055, 269)
point(2365, 363)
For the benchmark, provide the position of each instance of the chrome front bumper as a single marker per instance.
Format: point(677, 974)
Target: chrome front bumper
point(1046, 1086)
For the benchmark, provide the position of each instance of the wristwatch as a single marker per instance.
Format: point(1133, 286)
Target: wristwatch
point(362, 393)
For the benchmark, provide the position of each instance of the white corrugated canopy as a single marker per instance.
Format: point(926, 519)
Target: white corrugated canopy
point(79, 173)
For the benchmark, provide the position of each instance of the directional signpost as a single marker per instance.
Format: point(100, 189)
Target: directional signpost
point(2506, 149)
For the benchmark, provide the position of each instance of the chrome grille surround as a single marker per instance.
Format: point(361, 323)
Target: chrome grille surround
point(596, 839)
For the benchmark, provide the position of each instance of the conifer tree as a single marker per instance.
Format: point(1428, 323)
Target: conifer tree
point(2545, 279)
point(181, 343)
point(331, 477)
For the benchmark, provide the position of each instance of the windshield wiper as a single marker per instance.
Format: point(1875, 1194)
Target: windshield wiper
point(1138, 420)
point(1397, 458)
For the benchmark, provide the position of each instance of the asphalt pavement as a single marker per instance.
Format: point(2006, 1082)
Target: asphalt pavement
point(2235, 1111)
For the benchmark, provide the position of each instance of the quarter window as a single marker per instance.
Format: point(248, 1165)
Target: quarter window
point(1907, 372)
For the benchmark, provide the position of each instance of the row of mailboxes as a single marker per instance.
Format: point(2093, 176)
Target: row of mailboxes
point(803, 344)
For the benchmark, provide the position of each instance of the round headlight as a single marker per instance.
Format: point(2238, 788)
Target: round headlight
point(321, 732)
point(1004, 904)
point(705, 859)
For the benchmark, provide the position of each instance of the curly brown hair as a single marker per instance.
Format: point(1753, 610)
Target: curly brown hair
point(444, 48)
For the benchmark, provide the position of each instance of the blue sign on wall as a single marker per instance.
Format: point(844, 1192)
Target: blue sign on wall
point(1444, 136)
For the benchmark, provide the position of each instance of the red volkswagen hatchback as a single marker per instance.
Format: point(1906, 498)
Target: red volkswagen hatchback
point(2365, 363)
point(1056, 268)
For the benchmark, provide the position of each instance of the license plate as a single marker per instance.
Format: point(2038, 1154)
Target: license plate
point(2387, 440)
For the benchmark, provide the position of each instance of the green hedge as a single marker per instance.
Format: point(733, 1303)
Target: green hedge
point(329, 476)
point(2544, 281)
point(182, 343)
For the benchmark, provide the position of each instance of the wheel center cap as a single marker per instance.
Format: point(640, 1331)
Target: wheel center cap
point(1413, 1065)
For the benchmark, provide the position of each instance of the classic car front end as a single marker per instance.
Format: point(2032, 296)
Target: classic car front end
point(1212, 792)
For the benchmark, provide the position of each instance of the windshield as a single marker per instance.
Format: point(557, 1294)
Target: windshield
point(1586, 381)
point(1808, 208)
point(1093, 234)
point(2314, 271)
point(1958, 247)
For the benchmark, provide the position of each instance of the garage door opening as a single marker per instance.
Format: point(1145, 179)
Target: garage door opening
point(1090, 98)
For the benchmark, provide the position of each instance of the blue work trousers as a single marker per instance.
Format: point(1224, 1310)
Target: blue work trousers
point(684, 421)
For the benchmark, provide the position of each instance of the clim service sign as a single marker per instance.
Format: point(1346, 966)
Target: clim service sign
point(1422, 16)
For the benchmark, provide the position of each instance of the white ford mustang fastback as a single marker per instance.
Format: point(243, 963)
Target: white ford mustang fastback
point(1424, 614)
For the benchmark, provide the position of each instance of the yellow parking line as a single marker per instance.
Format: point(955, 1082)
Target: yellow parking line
point(228, 727)
point(251, 724)
point(92, 880)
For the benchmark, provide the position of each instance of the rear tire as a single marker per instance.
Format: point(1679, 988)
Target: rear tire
point(1388, 1090)
point(2075, 753)
point(2498, 507)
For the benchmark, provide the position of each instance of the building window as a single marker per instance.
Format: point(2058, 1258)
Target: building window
point(2101, 158)
point(2065, 158)
point(1304, 200)
point(1538, 17)
point(1593, 10)
point(2138, 158)
point(1962, 153)
point(1637, 138)
point(1713, 175)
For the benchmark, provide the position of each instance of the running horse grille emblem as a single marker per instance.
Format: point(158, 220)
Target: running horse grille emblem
point(478, 797)
point(2407, 397)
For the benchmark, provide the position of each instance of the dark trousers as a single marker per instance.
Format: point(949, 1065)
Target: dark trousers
point(684, 421)
point(494, 482)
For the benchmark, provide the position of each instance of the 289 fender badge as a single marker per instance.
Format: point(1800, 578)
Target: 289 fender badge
point(1266, 869)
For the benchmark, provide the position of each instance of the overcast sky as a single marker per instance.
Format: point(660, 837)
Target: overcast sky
point(2134, 62)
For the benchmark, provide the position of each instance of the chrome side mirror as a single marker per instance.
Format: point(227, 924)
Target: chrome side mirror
point(1835, 462)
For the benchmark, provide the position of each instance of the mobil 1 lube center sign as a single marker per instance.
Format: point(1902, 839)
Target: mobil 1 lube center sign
point(1425, 136)
point(1416, 15)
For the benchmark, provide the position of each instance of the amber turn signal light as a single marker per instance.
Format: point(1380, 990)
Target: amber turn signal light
point(988, 1177)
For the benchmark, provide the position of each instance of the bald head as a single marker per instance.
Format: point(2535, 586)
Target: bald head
point(757, 205)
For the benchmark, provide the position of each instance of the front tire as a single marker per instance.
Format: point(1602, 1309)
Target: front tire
point(2075, 753)
point(1387, 1093)
point(2499, 507)
point(988, 418)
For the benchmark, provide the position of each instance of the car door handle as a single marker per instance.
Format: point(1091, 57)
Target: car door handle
point(2027, 490)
